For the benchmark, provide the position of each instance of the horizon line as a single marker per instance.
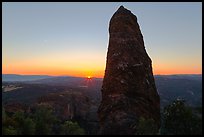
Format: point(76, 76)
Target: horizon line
point(92, 76)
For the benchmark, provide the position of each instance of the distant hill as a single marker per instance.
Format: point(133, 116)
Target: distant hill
point(188, 87)
point(169, 87)
point(78, 99)
point(62, 79)
point(14, 77)
point(181, 76)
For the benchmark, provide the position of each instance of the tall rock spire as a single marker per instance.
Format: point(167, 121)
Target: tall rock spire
point(128, 90)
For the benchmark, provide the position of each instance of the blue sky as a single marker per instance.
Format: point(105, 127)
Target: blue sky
point(63, 34)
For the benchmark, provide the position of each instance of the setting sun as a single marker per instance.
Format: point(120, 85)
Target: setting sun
point(118, 68)
point(81, 52)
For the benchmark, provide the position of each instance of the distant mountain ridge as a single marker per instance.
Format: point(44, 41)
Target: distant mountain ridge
point(169, 87)
point(17, 77)
point(181, 76)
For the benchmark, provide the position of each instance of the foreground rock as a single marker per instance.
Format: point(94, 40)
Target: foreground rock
point(128, 90)
point(74, 106)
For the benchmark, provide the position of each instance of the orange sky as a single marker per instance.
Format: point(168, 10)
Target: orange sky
point(54, 41)
point(87, 71)
point(85, 64)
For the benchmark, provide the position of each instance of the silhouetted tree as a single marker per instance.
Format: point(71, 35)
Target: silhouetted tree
point(71, 128)
point(9, 130)
point(44, 120)
point(178, 119)
point(3, 115)
point(19, 117)
point(28, 127)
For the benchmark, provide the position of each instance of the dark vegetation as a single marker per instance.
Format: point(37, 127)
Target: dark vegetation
point(177, 119)
point(40, 121)
point(180, 119)
point(63, 106)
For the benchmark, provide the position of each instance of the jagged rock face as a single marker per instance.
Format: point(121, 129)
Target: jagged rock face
point(128, 90)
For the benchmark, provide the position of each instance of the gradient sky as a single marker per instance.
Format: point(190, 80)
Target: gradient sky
point(72, 38)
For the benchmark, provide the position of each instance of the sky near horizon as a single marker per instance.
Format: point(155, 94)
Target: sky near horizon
point(72, 38)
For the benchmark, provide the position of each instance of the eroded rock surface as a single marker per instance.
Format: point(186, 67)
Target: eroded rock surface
point(128, 90)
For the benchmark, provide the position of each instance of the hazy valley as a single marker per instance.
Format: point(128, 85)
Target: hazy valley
point(78, 98)
point(169, 87)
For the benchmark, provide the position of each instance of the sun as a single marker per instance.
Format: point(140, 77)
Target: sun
point(89, 77)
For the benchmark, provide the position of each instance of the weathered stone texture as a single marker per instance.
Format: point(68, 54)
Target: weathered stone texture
point(128, 90)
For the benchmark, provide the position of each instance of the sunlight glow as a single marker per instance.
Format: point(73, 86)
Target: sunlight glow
point(54, 42)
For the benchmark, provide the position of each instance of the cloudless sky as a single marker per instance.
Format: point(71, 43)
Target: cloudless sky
point(72, 38)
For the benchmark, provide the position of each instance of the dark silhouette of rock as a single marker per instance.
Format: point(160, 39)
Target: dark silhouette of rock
point(128, 90)
point(74, 106)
